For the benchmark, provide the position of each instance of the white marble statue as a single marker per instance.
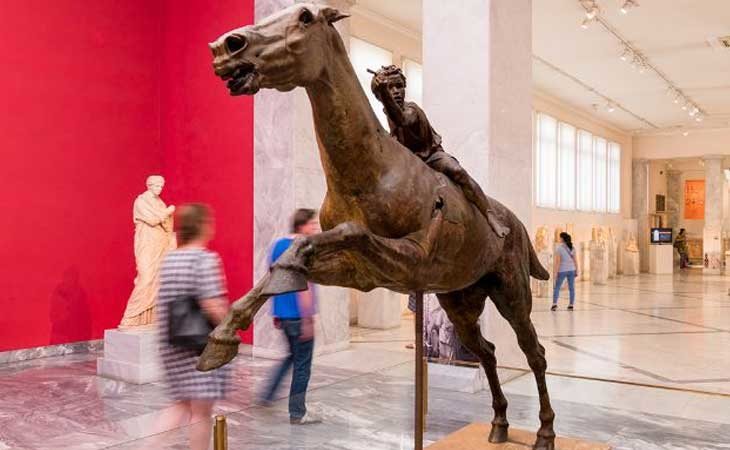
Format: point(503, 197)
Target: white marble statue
point(153, 237)
point(584, 260)
point(599, 256)
point(612, 254)
point(631, 256)
point(544, 252)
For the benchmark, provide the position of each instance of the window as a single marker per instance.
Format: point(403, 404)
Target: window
point(364, 56)
point(614, 177)
point(585, 171)
point(599, 174)
point(546, 160)
point(414, 81)
point(575, 170)
point(566, 166)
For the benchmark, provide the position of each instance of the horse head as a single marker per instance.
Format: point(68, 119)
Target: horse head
point(283, 51)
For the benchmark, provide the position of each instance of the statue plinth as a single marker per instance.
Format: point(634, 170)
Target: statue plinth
point(474, 437)
point(131, 356)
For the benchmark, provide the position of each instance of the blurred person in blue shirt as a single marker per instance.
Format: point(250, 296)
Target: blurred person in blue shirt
point(294, 315)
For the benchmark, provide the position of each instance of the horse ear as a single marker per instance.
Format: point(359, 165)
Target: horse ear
point(333, 15)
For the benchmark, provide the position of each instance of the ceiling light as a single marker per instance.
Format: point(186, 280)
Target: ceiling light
point(626, 54)
point(628, 4)
point(610, 108)
point(699, 118)
point(677, 96)
point(592, 12)
point(685, 105)
point(586, 23)
point(685, 133)
point(693, 111)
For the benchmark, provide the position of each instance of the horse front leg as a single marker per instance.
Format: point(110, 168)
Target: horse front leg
point(349, 255)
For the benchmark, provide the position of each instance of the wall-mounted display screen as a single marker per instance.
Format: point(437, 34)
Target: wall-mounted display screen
point(661, 235)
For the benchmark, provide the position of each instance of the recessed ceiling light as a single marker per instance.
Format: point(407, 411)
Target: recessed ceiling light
point(592, 12)
point(685, 133)
point(610, 108)
point(628, 4)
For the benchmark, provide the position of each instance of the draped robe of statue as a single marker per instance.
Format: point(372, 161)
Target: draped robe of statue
point(153, 237)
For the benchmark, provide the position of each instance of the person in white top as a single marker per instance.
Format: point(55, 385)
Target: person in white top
point(565, 268)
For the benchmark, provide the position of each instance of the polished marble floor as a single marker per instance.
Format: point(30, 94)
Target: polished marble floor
point(643, 363)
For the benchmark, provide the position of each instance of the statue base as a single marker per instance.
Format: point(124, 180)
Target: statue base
point(474, 437)
point(130, 355)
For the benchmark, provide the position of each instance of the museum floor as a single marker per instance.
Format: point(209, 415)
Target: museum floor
point(643, 363)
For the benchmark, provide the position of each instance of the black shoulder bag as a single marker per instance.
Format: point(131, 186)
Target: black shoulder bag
point(188, 327)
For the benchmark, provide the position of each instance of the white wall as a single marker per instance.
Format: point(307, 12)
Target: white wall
point(583, 222)
point(697, 143)
point(380, 31)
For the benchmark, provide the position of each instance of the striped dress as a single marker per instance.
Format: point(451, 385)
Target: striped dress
point(184, 273)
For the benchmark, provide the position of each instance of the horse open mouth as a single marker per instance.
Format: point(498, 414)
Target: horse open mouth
point(244, 80)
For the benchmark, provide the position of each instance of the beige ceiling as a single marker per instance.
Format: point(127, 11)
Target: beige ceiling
point(672, 34)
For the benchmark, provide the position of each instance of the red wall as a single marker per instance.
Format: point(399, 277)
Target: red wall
point(96, 95)
point(207, 135)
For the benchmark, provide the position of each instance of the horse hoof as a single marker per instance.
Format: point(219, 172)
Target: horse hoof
point(218, 352)
point(498, 434)
point(283, 280)
point(544, 443)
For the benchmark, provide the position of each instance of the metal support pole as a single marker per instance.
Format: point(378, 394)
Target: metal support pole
point(420, 417)
point(220, 433)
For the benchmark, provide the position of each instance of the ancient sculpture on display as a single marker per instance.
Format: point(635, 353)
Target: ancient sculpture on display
point(153, 237)
point(541, 239)
point(599, 256)
point(631, 245)
point(556, 235)
point(389, 220)
point(542, 288)
point(410, 126)
point(612, 253)
point(631, 256)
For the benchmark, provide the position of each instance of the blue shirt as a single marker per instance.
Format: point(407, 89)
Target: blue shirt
point(566, 258)
point(286, 306)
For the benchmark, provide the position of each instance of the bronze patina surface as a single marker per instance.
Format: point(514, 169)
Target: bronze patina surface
point(389, 220)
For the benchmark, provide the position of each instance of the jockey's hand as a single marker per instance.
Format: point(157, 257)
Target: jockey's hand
point(380, 83)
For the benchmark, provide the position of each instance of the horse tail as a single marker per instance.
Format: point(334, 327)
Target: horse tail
point(536, 268)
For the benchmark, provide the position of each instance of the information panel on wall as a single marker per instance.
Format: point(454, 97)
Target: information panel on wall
point(694, 199)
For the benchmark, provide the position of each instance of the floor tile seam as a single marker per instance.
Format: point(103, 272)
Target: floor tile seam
point(645, 372)
point(622, 382)
point(657, 333)
point(633, 311)
point(609, 360)
point(676, 321)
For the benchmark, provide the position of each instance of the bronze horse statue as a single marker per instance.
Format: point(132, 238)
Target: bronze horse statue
point(388, 219)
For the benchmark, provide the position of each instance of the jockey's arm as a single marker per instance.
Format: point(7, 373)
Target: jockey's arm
point(401, 116)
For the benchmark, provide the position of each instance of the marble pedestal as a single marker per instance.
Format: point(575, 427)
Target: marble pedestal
point(474, 437)
point(630, 263)
point(599, 264)
point(457, 378)
point(131, 356)
point(542, 288)
point(712, 252)
point(661, 259)
point(379, 308)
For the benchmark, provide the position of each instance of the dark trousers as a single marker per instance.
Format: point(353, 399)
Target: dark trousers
point(300, 358)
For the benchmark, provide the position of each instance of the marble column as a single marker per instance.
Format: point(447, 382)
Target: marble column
point(288, 175)
point(712, 233)
point(640, 208)
point(674, 198)
point(477, 92)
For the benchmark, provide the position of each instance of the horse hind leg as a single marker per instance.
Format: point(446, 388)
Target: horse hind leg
point(514, 304)
point(463, 309)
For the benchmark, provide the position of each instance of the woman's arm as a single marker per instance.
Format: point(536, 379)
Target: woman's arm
point(215, 309)
point(556, 262)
